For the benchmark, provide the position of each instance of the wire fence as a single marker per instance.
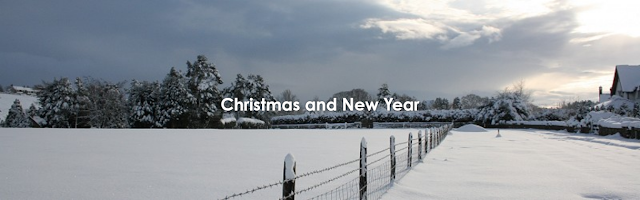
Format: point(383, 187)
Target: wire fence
point(375, 175)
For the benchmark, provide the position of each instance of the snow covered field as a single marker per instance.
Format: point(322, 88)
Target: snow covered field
point(171, 164)
point(525, 164)
point(209, 164)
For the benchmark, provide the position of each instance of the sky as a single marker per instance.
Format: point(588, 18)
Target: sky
point(562, 50)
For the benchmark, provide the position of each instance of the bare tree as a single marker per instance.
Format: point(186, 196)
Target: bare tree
point(287, 95)
point(519, 89)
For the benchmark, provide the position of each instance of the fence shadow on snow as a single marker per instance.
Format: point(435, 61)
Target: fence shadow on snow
point(375, 174)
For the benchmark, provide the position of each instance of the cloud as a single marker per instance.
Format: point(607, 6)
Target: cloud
point(405, 29)
point(426, 49)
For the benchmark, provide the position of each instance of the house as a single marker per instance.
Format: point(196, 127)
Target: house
point(24, 90)
point(626, 82)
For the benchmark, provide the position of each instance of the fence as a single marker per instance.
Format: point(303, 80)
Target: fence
point(318, 126)
point(374, 175)
point(408, 124)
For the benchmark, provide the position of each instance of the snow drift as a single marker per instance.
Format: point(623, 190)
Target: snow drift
point(471, 128)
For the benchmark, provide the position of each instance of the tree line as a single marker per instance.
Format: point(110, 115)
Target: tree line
point(181, 100)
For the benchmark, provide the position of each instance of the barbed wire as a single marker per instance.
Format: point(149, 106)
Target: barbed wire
point(254, 190)
point(320, 184)
point(325, 169)
point(402, 157)
point(378, 152)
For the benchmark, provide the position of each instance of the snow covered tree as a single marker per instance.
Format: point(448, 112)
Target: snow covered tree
point(16, 118)
point(259, 90)
point(440, 104)
point(108, 108)
point(357, 95)
point(240, 89)
point(143, 104)
point(1, 88)
point(403, 98)
point(57, 100)
point(82, 105)
point(203, 80)
point(383, 92)
point(507, 106)
point(113, 108)
point(456, 104)
point(174, 100)
point(32, 111)
point(470, 101)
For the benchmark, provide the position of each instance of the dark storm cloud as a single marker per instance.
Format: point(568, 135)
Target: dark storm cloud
point(132, 39)
point(311, 47)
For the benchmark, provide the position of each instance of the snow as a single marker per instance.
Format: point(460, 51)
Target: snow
point(289, 167)
point(471, 128)
point(525, 164)
point(228, 120)
point(6, 100)
point(242, 120)
point(617, 121)
point(23, 89)
point(616, 102)
point(210, 164)
point(173, 164)
point(544, 123)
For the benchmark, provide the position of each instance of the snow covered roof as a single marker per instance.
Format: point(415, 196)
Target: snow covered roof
point(628, 76)
point(26, 89)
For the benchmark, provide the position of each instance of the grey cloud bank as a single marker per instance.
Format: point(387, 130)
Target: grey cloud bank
point(312, 47)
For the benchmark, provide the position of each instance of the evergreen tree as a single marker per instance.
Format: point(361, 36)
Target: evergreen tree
point(203, 80)
point(57, 104)
point(144, 105)
point(383, 92)
point(174, 100)
point(456, 104)
point(32, 111)
point(82, 105)
point(440, 104)
point(240, 89)
point(16, 118)
point(259, 90)
point(1, 88)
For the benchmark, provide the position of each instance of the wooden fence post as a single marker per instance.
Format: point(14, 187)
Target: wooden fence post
point(363, 169)
point(438, 136)
point(410, 150)
point(420, 145)
point(435, 133)
point(289, 185)
point(392, 154)
point(426, 141)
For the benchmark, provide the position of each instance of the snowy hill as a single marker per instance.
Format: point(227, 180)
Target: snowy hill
point(6, 100)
